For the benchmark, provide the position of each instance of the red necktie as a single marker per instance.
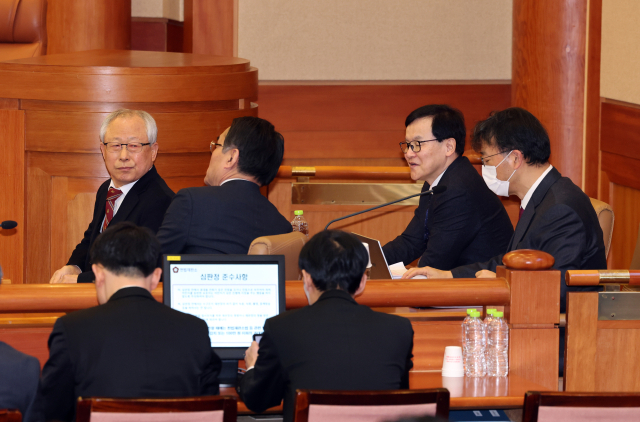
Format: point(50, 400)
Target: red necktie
point(112, 195)
point(521, 211)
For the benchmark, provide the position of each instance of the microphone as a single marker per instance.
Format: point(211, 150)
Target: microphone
point(7, 225)
point(435, 190)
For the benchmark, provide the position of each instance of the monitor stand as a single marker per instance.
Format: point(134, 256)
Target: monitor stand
point(229, 373)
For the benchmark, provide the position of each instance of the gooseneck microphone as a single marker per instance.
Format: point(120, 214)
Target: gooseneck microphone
point(436, 189)
point(8, 225)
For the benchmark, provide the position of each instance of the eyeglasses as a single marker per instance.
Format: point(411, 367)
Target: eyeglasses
point(492, 155)
point(214, 145)
point(414, 145)
point(132, 147)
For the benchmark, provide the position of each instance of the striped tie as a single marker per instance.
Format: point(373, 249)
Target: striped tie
point(112, 195)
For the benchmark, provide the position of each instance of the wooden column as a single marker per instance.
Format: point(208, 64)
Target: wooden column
point(74, 25)
point(211, 27)
point(556, 76)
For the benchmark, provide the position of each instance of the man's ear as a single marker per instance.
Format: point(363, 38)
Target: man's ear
point(98, 271)
point(232, 158)
point(154, 151)
point(450, 145)
point(518, 159)
point(308, 282)
point(363, 283)
point(155, 278)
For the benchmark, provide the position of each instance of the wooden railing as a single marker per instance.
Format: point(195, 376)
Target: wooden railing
point(602, 277)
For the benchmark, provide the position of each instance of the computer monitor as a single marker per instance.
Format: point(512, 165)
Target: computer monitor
point(233, 294)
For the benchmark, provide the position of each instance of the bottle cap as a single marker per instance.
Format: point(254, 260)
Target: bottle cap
point(470, 311)
point(475, 314)
point(490, 311)
point(498, 314)
point(298, 212)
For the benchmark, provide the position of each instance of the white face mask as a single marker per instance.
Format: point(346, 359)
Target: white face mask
point(490, 176)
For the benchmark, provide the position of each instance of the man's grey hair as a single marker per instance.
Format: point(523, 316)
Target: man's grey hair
point(149, 123)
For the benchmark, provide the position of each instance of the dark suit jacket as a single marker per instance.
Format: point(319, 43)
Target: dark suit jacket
point(144, 205)
point(467, 223)
point(560, 220)
point(334, 344)
point(19, 375)
point(219, 219)
point(132, 346)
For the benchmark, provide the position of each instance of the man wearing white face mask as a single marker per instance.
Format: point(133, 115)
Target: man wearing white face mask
point(555, 215)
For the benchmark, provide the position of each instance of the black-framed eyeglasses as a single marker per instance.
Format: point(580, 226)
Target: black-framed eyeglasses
point(133, 147)
point(492, 155)
point(213, 146)
point(414, 145)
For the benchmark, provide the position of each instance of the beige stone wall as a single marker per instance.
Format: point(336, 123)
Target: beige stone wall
point(620, 71)
point(377, 39)
point(170, 9)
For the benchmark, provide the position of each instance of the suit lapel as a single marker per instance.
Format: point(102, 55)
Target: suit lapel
point(131, 200)
point(527, 216)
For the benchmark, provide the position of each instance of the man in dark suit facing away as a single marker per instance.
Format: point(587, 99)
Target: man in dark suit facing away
point(130, 346)
point(225, 216)
point(332, 344)
point(135, 192)
point(556, 216)
point(19, 376)
point(464, 224)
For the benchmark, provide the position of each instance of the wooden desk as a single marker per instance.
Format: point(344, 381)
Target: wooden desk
point(466, 393)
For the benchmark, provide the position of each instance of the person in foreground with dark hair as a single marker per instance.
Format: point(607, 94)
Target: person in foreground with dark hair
point(230, 212)
point(464, 224)
point(332, 344)
point(130, 346)
point(556, 216)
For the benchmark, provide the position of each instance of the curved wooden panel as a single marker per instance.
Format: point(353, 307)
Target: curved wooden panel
point(548, 77)
point(84, 25)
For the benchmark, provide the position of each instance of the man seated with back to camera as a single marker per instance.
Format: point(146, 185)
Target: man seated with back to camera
point(332, 344)
point(225, 216)
point(464, 224)
point(129, 346)
point(556, 215)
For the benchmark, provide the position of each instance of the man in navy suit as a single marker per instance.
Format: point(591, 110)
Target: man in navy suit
point(332, 344)
point(135, 192)
point(131, 345)
point(556, 216)
point(464, 224)
point(225, 216)
point(18, 382)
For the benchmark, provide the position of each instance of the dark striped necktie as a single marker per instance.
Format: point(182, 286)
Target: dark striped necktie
point(112, 195)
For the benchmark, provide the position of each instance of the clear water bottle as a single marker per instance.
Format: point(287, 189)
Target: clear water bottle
point(465, 322)
point(489, 317)
point(299, 223)
point(474, 345)
point(497, 353)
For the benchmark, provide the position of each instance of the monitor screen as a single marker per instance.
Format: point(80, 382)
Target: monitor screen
point(233, 294)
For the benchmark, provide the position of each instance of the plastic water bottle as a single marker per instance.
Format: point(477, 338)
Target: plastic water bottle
point(497, 353)
point(299, 223)
point(474, 344)
point(489, 317)
point(465, 322)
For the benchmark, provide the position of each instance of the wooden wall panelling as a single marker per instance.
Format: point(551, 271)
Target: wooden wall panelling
point(88, 25)
point(580, 347)
point(362, 123)
point(156, 34)
point(625, 202)
point(617, 365)
point(430, 340)
point(39, 219)
point(591, 160)
point(211, 27)
point(12, 242)
point(531, 351)
point(548, 75)
point(60, 252)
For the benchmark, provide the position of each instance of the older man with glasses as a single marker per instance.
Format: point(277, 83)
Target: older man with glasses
point(135, 192)
point(466, 223)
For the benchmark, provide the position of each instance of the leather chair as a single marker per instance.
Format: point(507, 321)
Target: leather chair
point(569, 407)
point(288, 244)
point(10, 415)
point(23, 29)
point(190, 409)
point(370, 406)
point(606, 218)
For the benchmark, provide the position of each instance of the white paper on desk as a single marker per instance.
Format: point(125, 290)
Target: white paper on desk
point(398, 269)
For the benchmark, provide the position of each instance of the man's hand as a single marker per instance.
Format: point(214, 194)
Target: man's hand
point(66, 274)
point(427, 272)
point(251, 355)
point(485, 274)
